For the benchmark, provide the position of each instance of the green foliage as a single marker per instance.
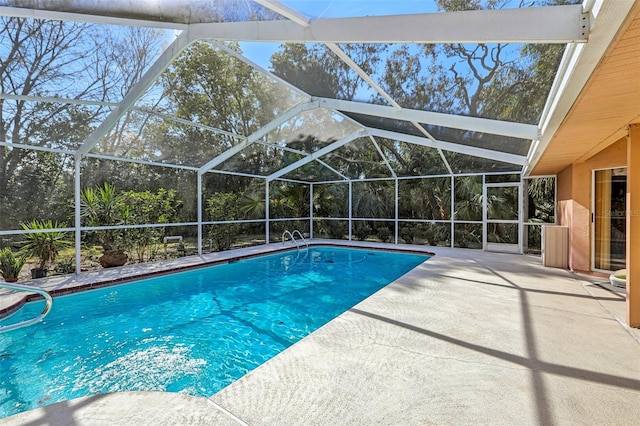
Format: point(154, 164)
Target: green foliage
point(252, 205)
point(336, 229)
point(65, 266)
point(502, 203)
point(45, 244)
point(425, 199)
point(541, 192)
point(223, 206)
point(374, 199)
point(468, 198)
point(101, 207)
point(106, 206)
point(10, 264)
point(362, 231)
point(331, 200)
point(407, 232)
point(147, 207)
point(384, 234)
point(468, 235)
point(315, 69)
point(209, 86)
point(289, 200)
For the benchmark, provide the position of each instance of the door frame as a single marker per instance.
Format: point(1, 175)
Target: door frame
point(501, 247)
point(592, 224)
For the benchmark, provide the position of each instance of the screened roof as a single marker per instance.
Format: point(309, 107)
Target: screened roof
point(311, 91)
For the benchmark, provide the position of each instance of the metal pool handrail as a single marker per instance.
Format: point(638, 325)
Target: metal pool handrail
point(285, 233)
point(20, 287)
point(293, 238)
point(301, 236)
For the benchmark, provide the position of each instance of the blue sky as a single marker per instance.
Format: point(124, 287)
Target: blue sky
point(314, 9)
point(349, 8)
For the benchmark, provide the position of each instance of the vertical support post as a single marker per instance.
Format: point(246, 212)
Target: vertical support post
point(484, 212)
point(266, 211)
point(200, 205)
point(78, 213)
point(525, 212)
point(453, 210)
point(396, 221)
point(633, 226)
point(350, 208)
point(521, 197)
point(310, 211)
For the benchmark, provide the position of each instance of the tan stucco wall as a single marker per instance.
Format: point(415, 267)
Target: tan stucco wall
point(574, 200)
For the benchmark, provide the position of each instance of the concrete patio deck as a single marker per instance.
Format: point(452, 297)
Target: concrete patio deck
point(468, 337)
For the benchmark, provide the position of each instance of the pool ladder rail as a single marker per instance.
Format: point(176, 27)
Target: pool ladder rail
point(20, 287)
point(292, 235)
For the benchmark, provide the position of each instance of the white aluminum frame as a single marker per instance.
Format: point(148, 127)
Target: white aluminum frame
point(558, 24)
point(486, 221)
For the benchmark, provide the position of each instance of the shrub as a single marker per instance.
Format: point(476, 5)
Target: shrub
point(65, 266)
point(407, 233)
point(44, 245)
point(362, 231)
point(384, 234)
point(10, 265)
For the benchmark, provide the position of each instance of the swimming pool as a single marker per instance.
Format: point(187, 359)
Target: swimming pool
point(193, 332)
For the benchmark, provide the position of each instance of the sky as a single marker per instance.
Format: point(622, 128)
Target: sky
point(315, 9)
point(348, 8)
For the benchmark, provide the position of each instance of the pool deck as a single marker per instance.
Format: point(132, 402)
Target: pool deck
point(468, 337)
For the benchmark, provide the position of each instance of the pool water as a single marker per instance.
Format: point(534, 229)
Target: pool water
point(192, 332)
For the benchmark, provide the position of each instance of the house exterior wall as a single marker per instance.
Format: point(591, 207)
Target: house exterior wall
point(575, 200)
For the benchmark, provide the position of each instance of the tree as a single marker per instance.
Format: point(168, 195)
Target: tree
point(498, 81)
point(56, 59)
point(146, 207)
point(209, 86)
point(373, 199)
point(38, 57)
point(223, 206)
point(318, 71)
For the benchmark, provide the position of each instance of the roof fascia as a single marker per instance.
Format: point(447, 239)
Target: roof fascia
point(577, 65)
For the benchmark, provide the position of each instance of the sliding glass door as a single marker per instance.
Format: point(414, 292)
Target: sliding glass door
point(609, 225)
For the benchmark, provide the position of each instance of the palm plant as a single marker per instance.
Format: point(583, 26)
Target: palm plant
point(373, 200)
point(468, 198)
point(101, 207)
point(252, 205)
point(331, 201)
point(45, 244)
point(10, 265)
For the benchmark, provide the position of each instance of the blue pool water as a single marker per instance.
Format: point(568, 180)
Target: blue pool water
point(192, 332)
